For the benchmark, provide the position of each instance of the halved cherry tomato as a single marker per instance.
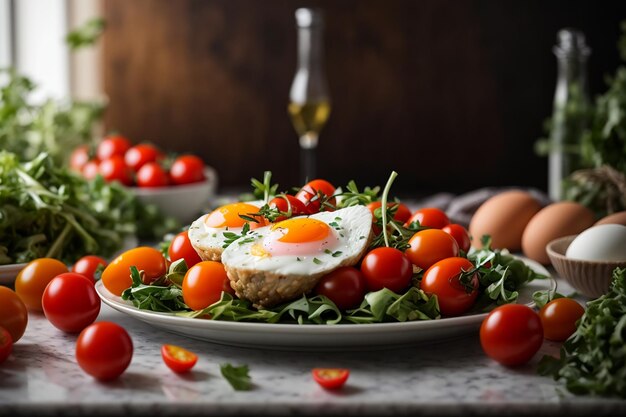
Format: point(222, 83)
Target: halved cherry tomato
point(203, 284)
point(442, 280)
point(511, 334)
point(116, 276)
point(104, 350)
point(559, 318)
point(345, 286)
point(79, 157)
point(88, 265)
point(90, 170)
point(283, 202)
point(181, 247)
point(429, 246)
point(70, 302)
point(387, 268)
point(115, 169)
point(308, 194)
point(178, 359)
point(403, 213)
point(13, 313)
point(141, 154)
point(430, 217)
point(6, 344)
point(331, 378)
point(460, 234)
point(114, 145)
point(152, 175)
point(33, 279)
point(187, 169)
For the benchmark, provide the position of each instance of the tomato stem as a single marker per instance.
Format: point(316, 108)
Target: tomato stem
point(383, 201)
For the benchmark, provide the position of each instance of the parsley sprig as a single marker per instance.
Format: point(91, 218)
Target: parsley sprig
point(230, 237)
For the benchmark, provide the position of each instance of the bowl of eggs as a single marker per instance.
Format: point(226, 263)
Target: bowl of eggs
point(587, 260)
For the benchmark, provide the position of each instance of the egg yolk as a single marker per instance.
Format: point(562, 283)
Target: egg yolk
point(228, 216)
point(299, 230)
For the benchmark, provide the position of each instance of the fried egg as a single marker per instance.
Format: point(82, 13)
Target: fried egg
point(282, 261)
point(206, 234)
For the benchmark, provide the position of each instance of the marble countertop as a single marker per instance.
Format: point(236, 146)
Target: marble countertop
point(42, 377)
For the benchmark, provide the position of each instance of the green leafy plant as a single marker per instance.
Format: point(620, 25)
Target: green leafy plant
point(237, 376)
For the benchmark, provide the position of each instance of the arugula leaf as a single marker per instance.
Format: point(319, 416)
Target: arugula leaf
point(237, 376)
point(153, 297)
point(386, 305)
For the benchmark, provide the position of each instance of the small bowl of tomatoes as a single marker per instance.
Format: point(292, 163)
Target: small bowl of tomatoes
point(180, 186)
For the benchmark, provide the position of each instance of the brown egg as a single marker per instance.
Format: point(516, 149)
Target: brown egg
point(615, 218)
point(553, 221)
point(503, 217)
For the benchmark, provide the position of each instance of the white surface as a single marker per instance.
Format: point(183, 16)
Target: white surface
point(315, 337)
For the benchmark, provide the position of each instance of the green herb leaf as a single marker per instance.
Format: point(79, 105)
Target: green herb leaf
point(237, 376)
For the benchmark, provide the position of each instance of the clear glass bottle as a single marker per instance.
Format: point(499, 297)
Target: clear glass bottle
point(309, 100)
point(571, 108)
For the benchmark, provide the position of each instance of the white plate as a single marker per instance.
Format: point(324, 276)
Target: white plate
point(9, 272)
point(316, 336)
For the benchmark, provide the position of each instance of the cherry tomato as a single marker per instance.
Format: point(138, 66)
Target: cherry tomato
point(6, 344)
point(151, 175)
point(308, 194)
point(87, 266)
point(115, 169)
point(116, 276)
point(430, 246)
point(178, 359)
point(386, 268)
point(345, 286)
point(203, 284)
point(111, 146)
point(104, 350)
point(187, 169)
point(331, 378)
point(430, 217)
point(511, 334)
point(90, 170)
point(442, 280)
point(31, 282)
point(141, 154)
point(181, 247)
point(403, 213)
point(70, 302)
point(460, 234)
point(13, 313)
point(559, 317)
point(79, 157)
point(283, 202)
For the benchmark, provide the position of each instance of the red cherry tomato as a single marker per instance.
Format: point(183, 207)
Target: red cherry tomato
point(152, 175)
point(70, 302)
point(90, 170)
point(6, 344)
point(511, 334)
point(178, 359)
point(13, 313)
point(181, 247)
point(79, 157)
point(403, 213)
point(331, 378)
point(111, 146)
point(429, 246)
point(104, 350)
point(116, 276)
point(460, 234)
point(115, 169)
point(308, 194)
point(429, 217)
point(187, 169)
point(345, 286)
point(442, 280)
point(559, 317)
point(203, 284)
point(141, 154)
point(283, 202)
point(87, 266)
point(387, 268)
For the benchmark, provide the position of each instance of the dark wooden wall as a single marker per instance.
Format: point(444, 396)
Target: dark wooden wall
point(451, 94)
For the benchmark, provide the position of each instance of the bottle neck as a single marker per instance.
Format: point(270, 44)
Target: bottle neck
point(310, 47)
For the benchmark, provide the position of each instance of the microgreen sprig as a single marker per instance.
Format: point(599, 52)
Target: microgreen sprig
point(230, 237)
point(264, 189)
point(383, 200)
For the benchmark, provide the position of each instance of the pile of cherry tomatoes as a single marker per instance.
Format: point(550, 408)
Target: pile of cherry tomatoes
point(144, 165)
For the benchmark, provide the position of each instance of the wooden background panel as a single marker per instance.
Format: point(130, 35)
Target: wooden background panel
point(451, 94)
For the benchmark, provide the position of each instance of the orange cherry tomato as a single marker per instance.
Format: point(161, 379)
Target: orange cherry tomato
point(116, 276)
point(33, 279)
point(442, 280)
point(430, 217)
point(178, 359)
point(559, 318)
point(13, 313)
point(203, 284)
point(6, 344)
point(331, 378)
point(429, 246)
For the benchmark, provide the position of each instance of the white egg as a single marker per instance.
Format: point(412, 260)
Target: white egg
point(282, 261)
point(605, 242)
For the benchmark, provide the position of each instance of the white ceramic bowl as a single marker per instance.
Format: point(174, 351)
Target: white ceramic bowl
point(183, 202)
